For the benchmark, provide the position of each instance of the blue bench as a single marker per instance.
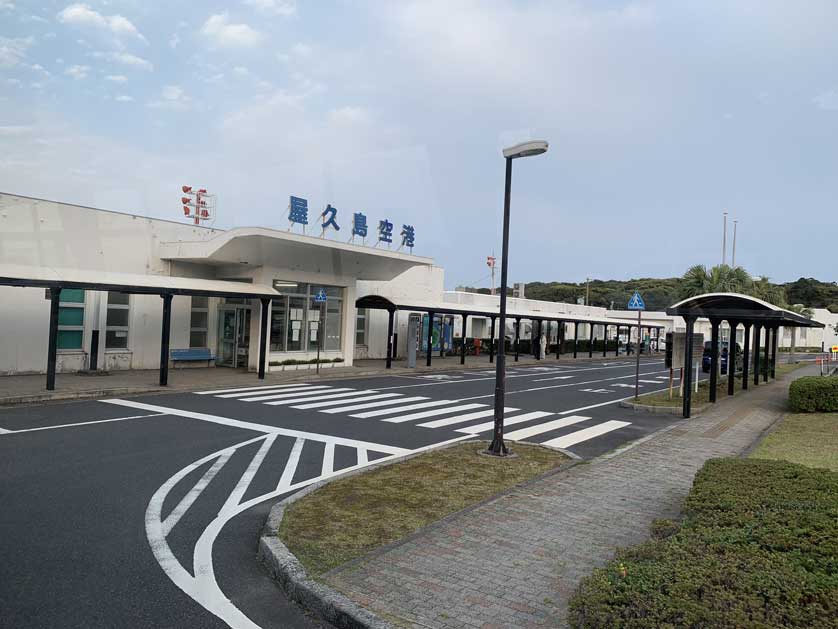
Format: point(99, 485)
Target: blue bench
point(195, 353)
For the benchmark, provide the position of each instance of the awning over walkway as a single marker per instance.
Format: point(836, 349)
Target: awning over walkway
point(764, 318)
point(257, 246)
point(166, 286)
point(52, 277)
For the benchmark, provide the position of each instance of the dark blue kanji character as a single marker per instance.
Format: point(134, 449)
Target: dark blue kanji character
point(331, 213)
point(359, 225)
point(408, 236)
point(298, 211)
point(385, 231)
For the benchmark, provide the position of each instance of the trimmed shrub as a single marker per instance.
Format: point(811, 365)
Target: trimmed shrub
point(813, 394)
point(758, 547)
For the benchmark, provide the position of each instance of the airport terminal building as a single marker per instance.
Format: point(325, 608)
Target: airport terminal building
point(311, 286)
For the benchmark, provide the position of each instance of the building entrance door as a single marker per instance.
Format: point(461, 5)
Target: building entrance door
point(233, 336)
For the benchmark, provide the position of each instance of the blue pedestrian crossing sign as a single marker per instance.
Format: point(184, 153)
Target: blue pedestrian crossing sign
point(636, 302)
point(320, 296)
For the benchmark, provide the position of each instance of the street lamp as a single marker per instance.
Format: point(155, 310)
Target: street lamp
point(525, 149)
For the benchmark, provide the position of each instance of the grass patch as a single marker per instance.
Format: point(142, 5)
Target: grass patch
point(661, 398)
point(758, 547)
point(350, 517)
point(807, 438)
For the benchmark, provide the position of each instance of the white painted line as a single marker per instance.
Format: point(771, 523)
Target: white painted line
point(291, 465)
point(259, 388)
point(187, 501)
point(3, 431)
point(285, 389)
point(649, 381)
point(365, 398)
point(358, 407)
point(363, 457)
point(553, 378)
point(565, 441)
point(263, 428)
point(409, 407)
point(585, 408)
point(236, 495)
point(439, 411)
point(328, 459)
point(531, 431)
point(325, 396)
point(285, 395)
point(507, 421)
point(459, 419)
point(97, 421)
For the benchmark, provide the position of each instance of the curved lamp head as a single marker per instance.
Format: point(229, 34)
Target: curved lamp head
point(525, 149)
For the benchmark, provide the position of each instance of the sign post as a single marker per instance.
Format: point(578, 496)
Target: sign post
point(320, 299)
point(636, 303)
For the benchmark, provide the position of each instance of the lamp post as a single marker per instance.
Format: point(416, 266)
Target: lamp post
point(526, 149)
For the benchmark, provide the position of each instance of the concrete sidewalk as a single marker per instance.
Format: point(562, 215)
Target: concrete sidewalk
point(515, 561)
point(30, 388)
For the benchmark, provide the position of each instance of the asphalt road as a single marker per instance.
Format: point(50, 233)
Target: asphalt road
point(146, 511)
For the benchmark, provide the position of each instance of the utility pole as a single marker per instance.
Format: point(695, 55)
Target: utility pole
point(724, 239)
point(588, 292)
point(733, 257)
point(490, 262)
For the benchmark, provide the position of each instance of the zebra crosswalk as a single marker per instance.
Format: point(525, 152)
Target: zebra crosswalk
point(465, 416)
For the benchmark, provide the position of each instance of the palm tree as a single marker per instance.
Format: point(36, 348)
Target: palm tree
point(719, 279)
point(763, 289)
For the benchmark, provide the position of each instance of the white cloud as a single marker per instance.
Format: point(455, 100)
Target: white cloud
point(77, 72)
point(827, 101)
point(241, 71)
point(124, 58)
point(9, 131)
point(13, 50)
point(83, 15)
point(174, 41)
point(172, 97)
point(116, 78)
point(221, 32)
point(277, 7)
point(122, 98)
point(6, 5)
point(349, 115)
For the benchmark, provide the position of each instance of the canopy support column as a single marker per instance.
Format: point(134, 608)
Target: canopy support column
point(767, 354)
point(591, 341)
point(492, 342)
point(390, 316)
point(52, 348)
point(756, 354)
point(264, 336)
point(164, 339)
point(774, 354)
point(575, 337)
point(604, 340)
point(688, 368)
point(429, 349)
point(517, 336)
point(442, 336)
point(617, 343)
point(731, 357)
point(746, 356)
point(714, 358)
point(463, 347)
point(559, 338)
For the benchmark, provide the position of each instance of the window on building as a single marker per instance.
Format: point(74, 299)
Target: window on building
point(361, 319)
point(70, 319)
point(199, 322)
point(295, 313)
point(116, 321)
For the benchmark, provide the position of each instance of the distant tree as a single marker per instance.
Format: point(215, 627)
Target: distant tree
point(719, 279)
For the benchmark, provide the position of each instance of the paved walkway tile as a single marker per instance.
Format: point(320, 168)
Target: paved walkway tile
point(515, 561)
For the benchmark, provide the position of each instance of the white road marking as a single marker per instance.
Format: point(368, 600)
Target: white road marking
point(585, 408)
point(299, 387)
point(97, 421)
point(531, 431)
point(262, 428)
point(328, 459)
point(365, 398)
point(424, 414)
point(597, 390)
point(409, 407)
point(626, 386)
point(651, 381)
point(285, 395)
point(264, 386)
point(244, 482)
point(553, 378)
point(291, 465)
point(459, 419)
point(363, 457)
point(3, 431)
point(187, 501)
point(579, 436)
point(323, 396)
point(507, 421)
point(358, 407)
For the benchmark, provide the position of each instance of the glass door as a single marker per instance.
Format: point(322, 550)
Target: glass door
point(226, 355)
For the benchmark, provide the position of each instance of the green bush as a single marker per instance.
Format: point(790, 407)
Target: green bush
point(814, 394)
point(758, 547)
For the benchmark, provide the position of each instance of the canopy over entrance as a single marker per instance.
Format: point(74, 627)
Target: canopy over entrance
point(736, 309)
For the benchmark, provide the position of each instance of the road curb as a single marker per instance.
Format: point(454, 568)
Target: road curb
point(65, 396)
point(660, 410)
point(331, 605)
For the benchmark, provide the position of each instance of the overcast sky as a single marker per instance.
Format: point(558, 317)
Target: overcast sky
point(659, 115)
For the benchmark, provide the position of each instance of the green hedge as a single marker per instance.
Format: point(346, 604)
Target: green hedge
point(758, 547)
point(814, 394)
